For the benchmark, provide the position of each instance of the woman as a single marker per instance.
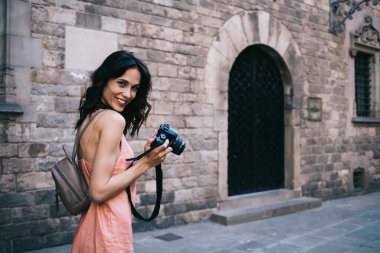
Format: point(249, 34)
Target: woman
point(120, 87)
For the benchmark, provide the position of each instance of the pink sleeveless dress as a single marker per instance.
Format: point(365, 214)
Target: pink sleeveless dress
point(106, 227)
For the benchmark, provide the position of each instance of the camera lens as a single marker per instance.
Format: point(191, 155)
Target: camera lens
point(178, 146)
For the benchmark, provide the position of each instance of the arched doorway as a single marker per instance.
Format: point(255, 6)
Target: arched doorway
point(255, 123)
point(257, 28)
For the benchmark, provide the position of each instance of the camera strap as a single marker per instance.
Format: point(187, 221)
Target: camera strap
point(156, 209)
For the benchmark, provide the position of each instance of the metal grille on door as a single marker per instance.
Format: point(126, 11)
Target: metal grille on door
point(255, 124)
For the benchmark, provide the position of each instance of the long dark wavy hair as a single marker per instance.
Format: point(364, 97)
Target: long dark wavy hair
point(114, 66)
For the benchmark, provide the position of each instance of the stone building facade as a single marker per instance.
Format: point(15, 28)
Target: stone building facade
point(328, 141)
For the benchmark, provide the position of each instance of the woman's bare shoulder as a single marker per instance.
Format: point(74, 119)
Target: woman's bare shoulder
point(111, 119)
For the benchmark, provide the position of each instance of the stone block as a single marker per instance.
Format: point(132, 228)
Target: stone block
point(163, 107)
point(208, 180)
point(47, 28)
point(134, 28)
point(167, 70)
point(7, 182)
point(43, 103)
point(323, 159)
point(30, 213)
point(17, 165)
point(88, 21)
point(220, 120)
point(5, 216)
point(183, 108)
point(18, 133)
point(28, 243)
point(66, 105)
point(40, 13)
point(183, 195)
point(161, 83)
point(167, 197)
point(62, 16)
point(41, 134)
point(204, 192)
point(60, 238)
point(54, 59)
point(197, 61)
point(8, 149)
point(210, 144)
point(45, 75)
point(172, 184)
point(34, 181)
point(177, 171)
point(75, 77)
point(5, 246)
point(188, 73)
point(160, 32)
point(192, 156)
point(66, 90)
point(150, 186)
point(54, 120)
point(52, 42)
point(44, 197)
point(199, 122)
point(113, 25)
point(147, 199)
point(45, 164)
point(197, 205)
point(179, 85)
point(154, 120)
point(42, 227)
point(86, 49)
point(33, 150)
point(186, 49)
point(189, 182)
point(164, 222)
point(173, 209)
point(12, 231)
point(68, 223)
point(13, 199)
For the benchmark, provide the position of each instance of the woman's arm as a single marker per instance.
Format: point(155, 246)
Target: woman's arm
point(104, 185)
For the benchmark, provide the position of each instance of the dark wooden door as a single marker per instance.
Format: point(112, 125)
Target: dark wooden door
point(255, 124)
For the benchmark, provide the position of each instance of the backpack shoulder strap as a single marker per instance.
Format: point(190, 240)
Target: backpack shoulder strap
point(80, 134)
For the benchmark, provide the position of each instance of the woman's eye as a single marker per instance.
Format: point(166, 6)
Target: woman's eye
point(122, 84)
point(136, 87)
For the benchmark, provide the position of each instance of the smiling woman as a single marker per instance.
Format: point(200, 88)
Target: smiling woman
point(120, 91)
point(120, 87)
point(126, 71)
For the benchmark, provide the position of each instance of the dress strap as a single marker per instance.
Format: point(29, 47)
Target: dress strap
point(91, 127)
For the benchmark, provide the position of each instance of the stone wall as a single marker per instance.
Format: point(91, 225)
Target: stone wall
point(174, 38)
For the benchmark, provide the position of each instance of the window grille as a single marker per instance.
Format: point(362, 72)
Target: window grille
point(358, 179)
point(363, 84)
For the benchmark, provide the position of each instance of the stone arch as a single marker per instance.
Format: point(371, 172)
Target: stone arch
point(239, 32)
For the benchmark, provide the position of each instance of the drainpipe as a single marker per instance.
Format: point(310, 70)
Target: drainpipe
point(7, 51)
point(7, 109)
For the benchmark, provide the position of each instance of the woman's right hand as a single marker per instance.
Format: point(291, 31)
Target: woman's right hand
point(157, 155)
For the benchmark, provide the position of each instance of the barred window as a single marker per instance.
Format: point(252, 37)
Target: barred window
point(363, 70)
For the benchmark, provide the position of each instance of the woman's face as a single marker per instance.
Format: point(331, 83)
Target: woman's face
point(122, 90)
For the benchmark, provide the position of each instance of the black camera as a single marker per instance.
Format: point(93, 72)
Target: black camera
point(166, 132)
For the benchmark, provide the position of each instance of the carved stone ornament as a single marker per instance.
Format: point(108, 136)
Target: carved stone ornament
point(367, 35)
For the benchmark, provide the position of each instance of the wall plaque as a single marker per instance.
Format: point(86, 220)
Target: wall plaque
point(314, 107)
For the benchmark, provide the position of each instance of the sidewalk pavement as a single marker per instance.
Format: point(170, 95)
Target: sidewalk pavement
point(349, 225)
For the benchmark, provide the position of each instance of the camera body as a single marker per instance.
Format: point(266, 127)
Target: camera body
point(166, 132)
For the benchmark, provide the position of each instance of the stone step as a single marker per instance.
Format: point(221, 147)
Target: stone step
point(276, 208)
point(258, 198)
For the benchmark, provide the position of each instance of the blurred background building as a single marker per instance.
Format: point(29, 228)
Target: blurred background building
point(269, 95)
